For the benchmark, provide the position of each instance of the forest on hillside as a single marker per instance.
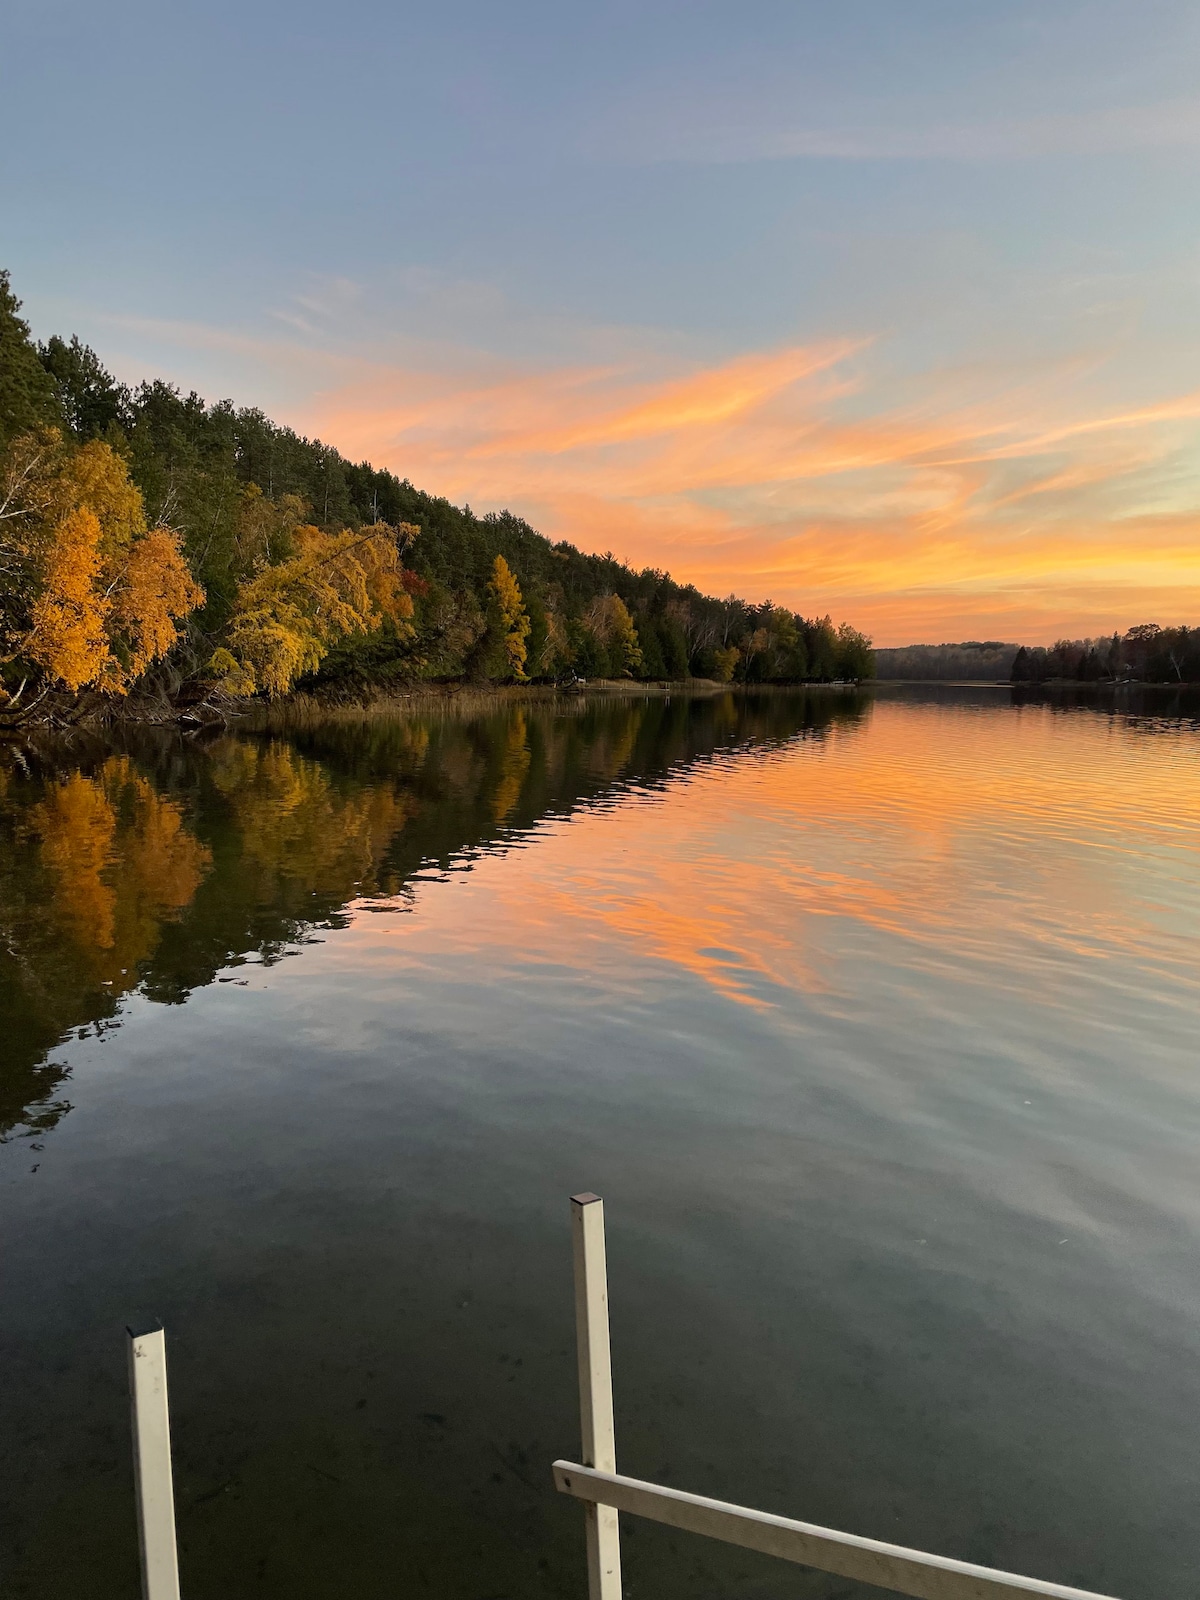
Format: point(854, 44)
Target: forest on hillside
point(157, 546)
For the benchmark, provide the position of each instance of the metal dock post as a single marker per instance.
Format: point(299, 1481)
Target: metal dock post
point(595, 1390)
point(152, 1464)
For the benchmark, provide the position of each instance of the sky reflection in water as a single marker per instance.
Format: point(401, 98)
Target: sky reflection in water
point(875, 1024)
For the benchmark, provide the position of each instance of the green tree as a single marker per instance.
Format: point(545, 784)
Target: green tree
point(27, 395)
point(588, 656)
point(653, 665)
point(821, 642)
point(91, 399)
point(854, 657)
point(673, 645)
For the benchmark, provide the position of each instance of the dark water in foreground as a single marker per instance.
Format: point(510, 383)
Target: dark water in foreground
point(875, 1023)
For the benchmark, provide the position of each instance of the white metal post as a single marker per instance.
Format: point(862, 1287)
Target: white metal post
point(595, 1389)
point(152, 1464)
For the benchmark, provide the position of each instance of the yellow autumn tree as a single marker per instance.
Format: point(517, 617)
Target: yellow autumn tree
point(555, 654)
point(613, 628)
point(287, 617)
point(510, 621)
point(726, 663)
point(625, 650)
point(263, 531)
point(67, 638)
point(93, 596)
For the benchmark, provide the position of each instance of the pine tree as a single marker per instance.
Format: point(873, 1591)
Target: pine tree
point(27, 397)
point(92, 400)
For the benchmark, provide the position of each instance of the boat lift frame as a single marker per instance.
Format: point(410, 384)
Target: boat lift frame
point(595, 1481)
point(605, 1492)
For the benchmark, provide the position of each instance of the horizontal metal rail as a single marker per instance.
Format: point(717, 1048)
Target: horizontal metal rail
point(888, 1566)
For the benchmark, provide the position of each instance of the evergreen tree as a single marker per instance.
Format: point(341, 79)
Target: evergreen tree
point(91, 399)
point(27, 396)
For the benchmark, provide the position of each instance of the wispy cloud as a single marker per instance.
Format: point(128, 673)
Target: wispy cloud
point(734, 128)
point(970, 501)
point(784, 472)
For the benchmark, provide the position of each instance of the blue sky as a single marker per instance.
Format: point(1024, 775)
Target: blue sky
point(502, 249)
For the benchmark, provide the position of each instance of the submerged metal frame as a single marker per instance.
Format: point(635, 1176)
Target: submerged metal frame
point(605, 1492)
point(595, 1481)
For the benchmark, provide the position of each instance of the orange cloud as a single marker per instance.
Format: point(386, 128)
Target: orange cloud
point(1031, 511)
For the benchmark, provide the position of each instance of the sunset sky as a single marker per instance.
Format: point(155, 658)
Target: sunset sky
point(887, 310)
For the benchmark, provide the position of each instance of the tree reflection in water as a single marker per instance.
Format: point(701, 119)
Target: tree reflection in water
point(151, 868)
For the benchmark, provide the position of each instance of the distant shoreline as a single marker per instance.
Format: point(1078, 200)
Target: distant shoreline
point(300, 709)
point(304, 709)
point(1078, 685)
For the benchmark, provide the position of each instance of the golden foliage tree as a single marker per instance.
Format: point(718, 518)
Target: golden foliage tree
point(67, 638)
point(264, 528)
point(609, 620)
point(512, 621)
point(288, 616)
point(625, 650)
point(93, 596)
point(726, 663)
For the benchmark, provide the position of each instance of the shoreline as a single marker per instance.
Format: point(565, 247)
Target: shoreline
point(94, 717)
point(305, 709)
point(100, 719)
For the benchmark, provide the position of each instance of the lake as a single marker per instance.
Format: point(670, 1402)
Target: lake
point(872, 1016)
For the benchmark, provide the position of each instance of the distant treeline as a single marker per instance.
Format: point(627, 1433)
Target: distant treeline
point(149, 540)
point(974, 659)
point(1146, 654)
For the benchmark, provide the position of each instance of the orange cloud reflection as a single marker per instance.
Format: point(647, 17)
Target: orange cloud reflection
point(994, 842)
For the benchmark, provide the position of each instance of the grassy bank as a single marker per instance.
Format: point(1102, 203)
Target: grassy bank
point(460, 699)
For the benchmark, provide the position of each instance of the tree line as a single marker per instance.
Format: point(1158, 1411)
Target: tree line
point(985, 660)
point(1145, 654)
point(152, 541)
point(1148, 653)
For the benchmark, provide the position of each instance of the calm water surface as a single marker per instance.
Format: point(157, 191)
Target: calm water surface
point(874, 1021)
